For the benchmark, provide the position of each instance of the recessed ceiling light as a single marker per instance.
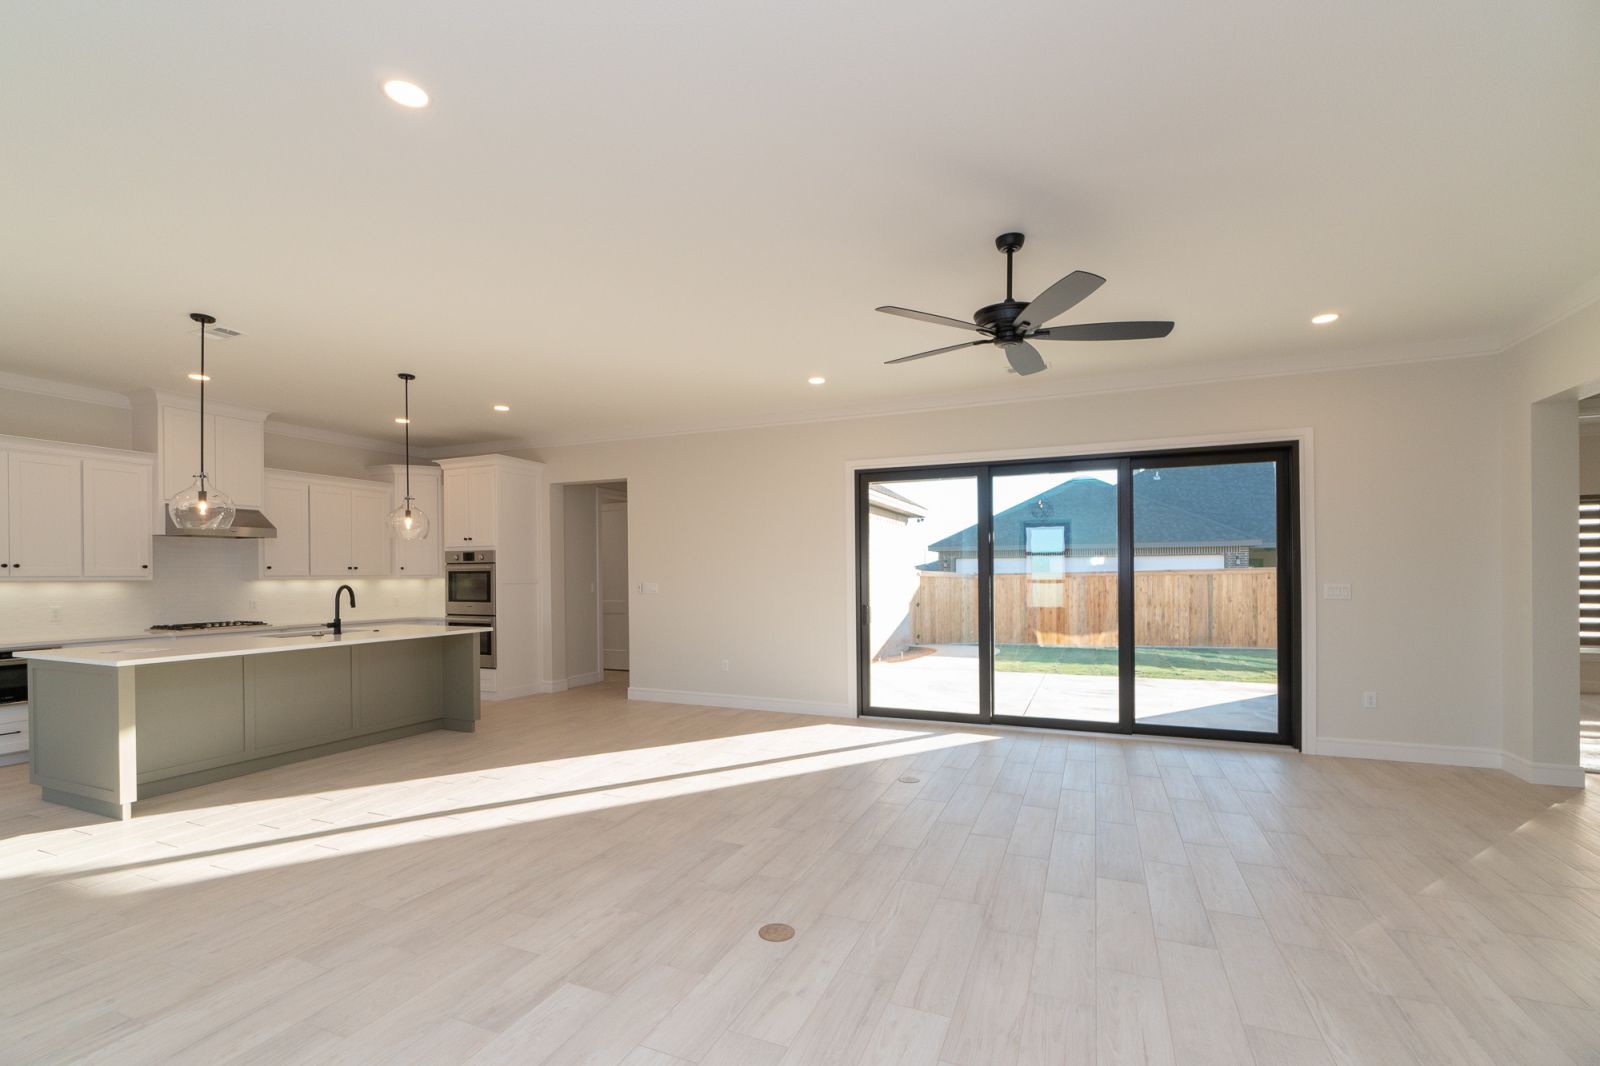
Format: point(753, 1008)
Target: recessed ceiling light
point(402, 421)
point(199, 377)
point(816, 381)
point(501, 407)
point(1324, 318)
point(405, 94)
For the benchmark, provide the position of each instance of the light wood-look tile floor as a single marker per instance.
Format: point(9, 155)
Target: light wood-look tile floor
point(582, 881)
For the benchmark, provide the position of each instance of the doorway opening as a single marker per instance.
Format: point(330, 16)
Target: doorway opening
point(594, 527)
point(1154, 592)
point(1588, 513)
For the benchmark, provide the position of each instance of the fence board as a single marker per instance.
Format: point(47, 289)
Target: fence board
point(1172, 608)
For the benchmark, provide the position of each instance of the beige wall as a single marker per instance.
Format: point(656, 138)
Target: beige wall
point(748, 536)
point(1541, 380)
point(579, 535)
point(332, 460)
point(28, 414)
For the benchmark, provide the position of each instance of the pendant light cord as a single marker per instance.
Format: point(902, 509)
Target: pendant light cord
point(408, 446)
point(202, 475)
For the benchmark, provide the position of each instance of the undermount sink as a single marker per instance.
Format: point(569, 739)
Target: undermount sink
point(316, 633)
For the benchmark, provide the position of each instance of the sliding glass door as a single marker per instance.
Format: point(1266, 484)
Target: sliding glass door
point(920, 607)
point(1206, 586)
point(1138, 593)
point(1057, 541)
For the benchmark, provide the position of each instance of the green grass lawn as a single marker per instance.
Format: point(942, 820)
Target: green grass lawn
point(1187, 664)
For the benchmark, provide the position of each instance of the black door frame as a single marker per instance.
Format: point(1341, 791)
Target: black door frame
point(1286, 454)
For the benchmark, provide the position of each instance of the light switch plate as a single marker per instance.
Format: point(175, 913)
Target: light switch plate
point(1336, 590)
point(651, 588)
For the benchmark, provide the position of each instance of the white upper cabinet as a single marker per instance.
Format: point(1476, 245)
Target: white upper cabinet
point(169, 425)
point(369, 532)
point(5, 515)
point(45, 519)
point(348, 531)
point(116, 539)
point(471, 507)
point(417, 558)
point(238, 458)
point(287, 508)
point(70, 511)
point(330, 531)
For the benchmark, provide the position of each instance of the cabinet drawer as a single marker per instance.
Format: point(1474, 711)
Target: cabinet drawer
point(14, 737)
point(12, 713)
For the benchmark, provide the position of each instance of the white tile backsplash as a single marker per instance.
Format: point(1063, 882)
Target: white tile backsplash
point(198, 579)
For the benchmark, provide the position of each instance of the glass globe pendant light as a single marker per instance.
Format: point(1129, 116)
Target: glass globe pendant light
point(407, 522)
point(201, 506)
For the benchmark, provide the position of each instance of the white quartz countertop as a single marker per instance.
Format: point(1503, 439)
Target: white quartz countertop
point(225, 645)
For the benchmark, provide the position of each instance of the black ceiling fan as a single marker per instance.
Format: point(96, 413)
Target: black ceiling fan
point(1012, 323)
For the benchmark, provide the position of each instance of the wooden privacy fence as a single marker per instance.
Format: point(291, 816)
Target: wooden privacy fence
point(1172, 608)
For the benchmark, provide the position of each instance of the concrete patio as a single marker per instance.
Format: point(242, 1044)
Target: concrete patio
point(947, 681)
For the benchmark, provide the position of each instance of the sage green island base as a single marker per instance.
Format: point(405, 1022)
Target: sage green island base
point(113, 725)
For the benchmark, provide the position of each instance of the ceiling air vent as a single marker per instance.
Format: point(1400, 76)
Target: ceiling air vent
point(224, 332)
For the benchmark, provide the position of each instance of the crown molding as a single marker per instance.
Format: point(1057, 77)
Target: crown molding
point(276, 428)
point(63, 391)
point(483, 447)
point(1579, 299)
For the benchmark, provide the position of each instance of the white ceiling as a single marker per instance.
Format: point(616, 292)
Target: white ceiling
point(627, 217)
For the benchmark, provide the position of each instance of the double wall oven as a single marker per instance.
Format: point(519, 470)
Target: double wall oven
point(469, 596)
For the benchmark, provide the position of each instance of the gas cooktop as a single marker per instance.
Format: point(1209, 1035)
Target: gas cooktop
point(202, 625)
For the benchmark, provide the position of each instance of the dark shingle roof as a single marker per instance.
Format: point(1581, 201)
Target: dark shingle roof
point(1233, 504)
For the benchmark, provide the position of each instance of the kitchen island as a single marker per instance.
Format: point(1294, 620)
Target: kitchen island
point(116, 722)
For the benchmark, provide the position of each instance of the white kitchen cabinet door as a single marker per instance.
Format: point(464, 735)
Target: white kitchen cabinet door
point(116, 524)
point(238, 455)
point(482, 506)
point(419, 558)
point(5, 514)
point(457, 509)
point(287, 507)
point(180, 450)
point(369, 533)
point(329, 527)
point(46, 520)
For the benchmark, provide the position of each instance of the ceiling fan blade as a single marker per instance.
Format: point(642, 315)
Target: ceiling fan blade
point(923, 316)
point(1024, 358)
point(1060, 298)
point(936, 351)
point(1105, 331)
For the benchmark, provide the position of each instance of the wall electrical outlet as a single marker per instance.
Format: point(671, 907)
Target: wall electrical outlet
point(1369, 700)
point(724, 666)
point(1336, 590)
point(55, 612)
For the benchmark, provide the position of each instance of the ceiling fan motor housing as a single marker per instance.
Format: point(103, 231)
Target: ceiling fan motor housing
point(1000, 319)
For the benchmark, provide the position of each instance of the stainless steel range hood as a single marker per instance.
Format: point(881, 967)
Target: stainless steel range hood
point(248, 524)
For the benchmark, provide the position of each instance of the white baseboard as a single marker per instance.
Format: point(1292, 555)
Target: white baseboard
point(1402, 751)
point(1447, 755)
point(585, 679)
point(1545, 773)
point(1385, 750)
point(747, 703)
point(533, 688)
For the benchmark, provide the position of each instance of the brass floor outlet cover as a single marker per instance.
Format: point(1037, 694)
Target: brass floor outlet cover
point(776, 932)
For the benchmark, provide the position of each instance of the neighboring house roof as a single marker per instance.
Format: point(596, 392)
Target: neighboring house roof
point(887, 499)
point(1232, 505)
